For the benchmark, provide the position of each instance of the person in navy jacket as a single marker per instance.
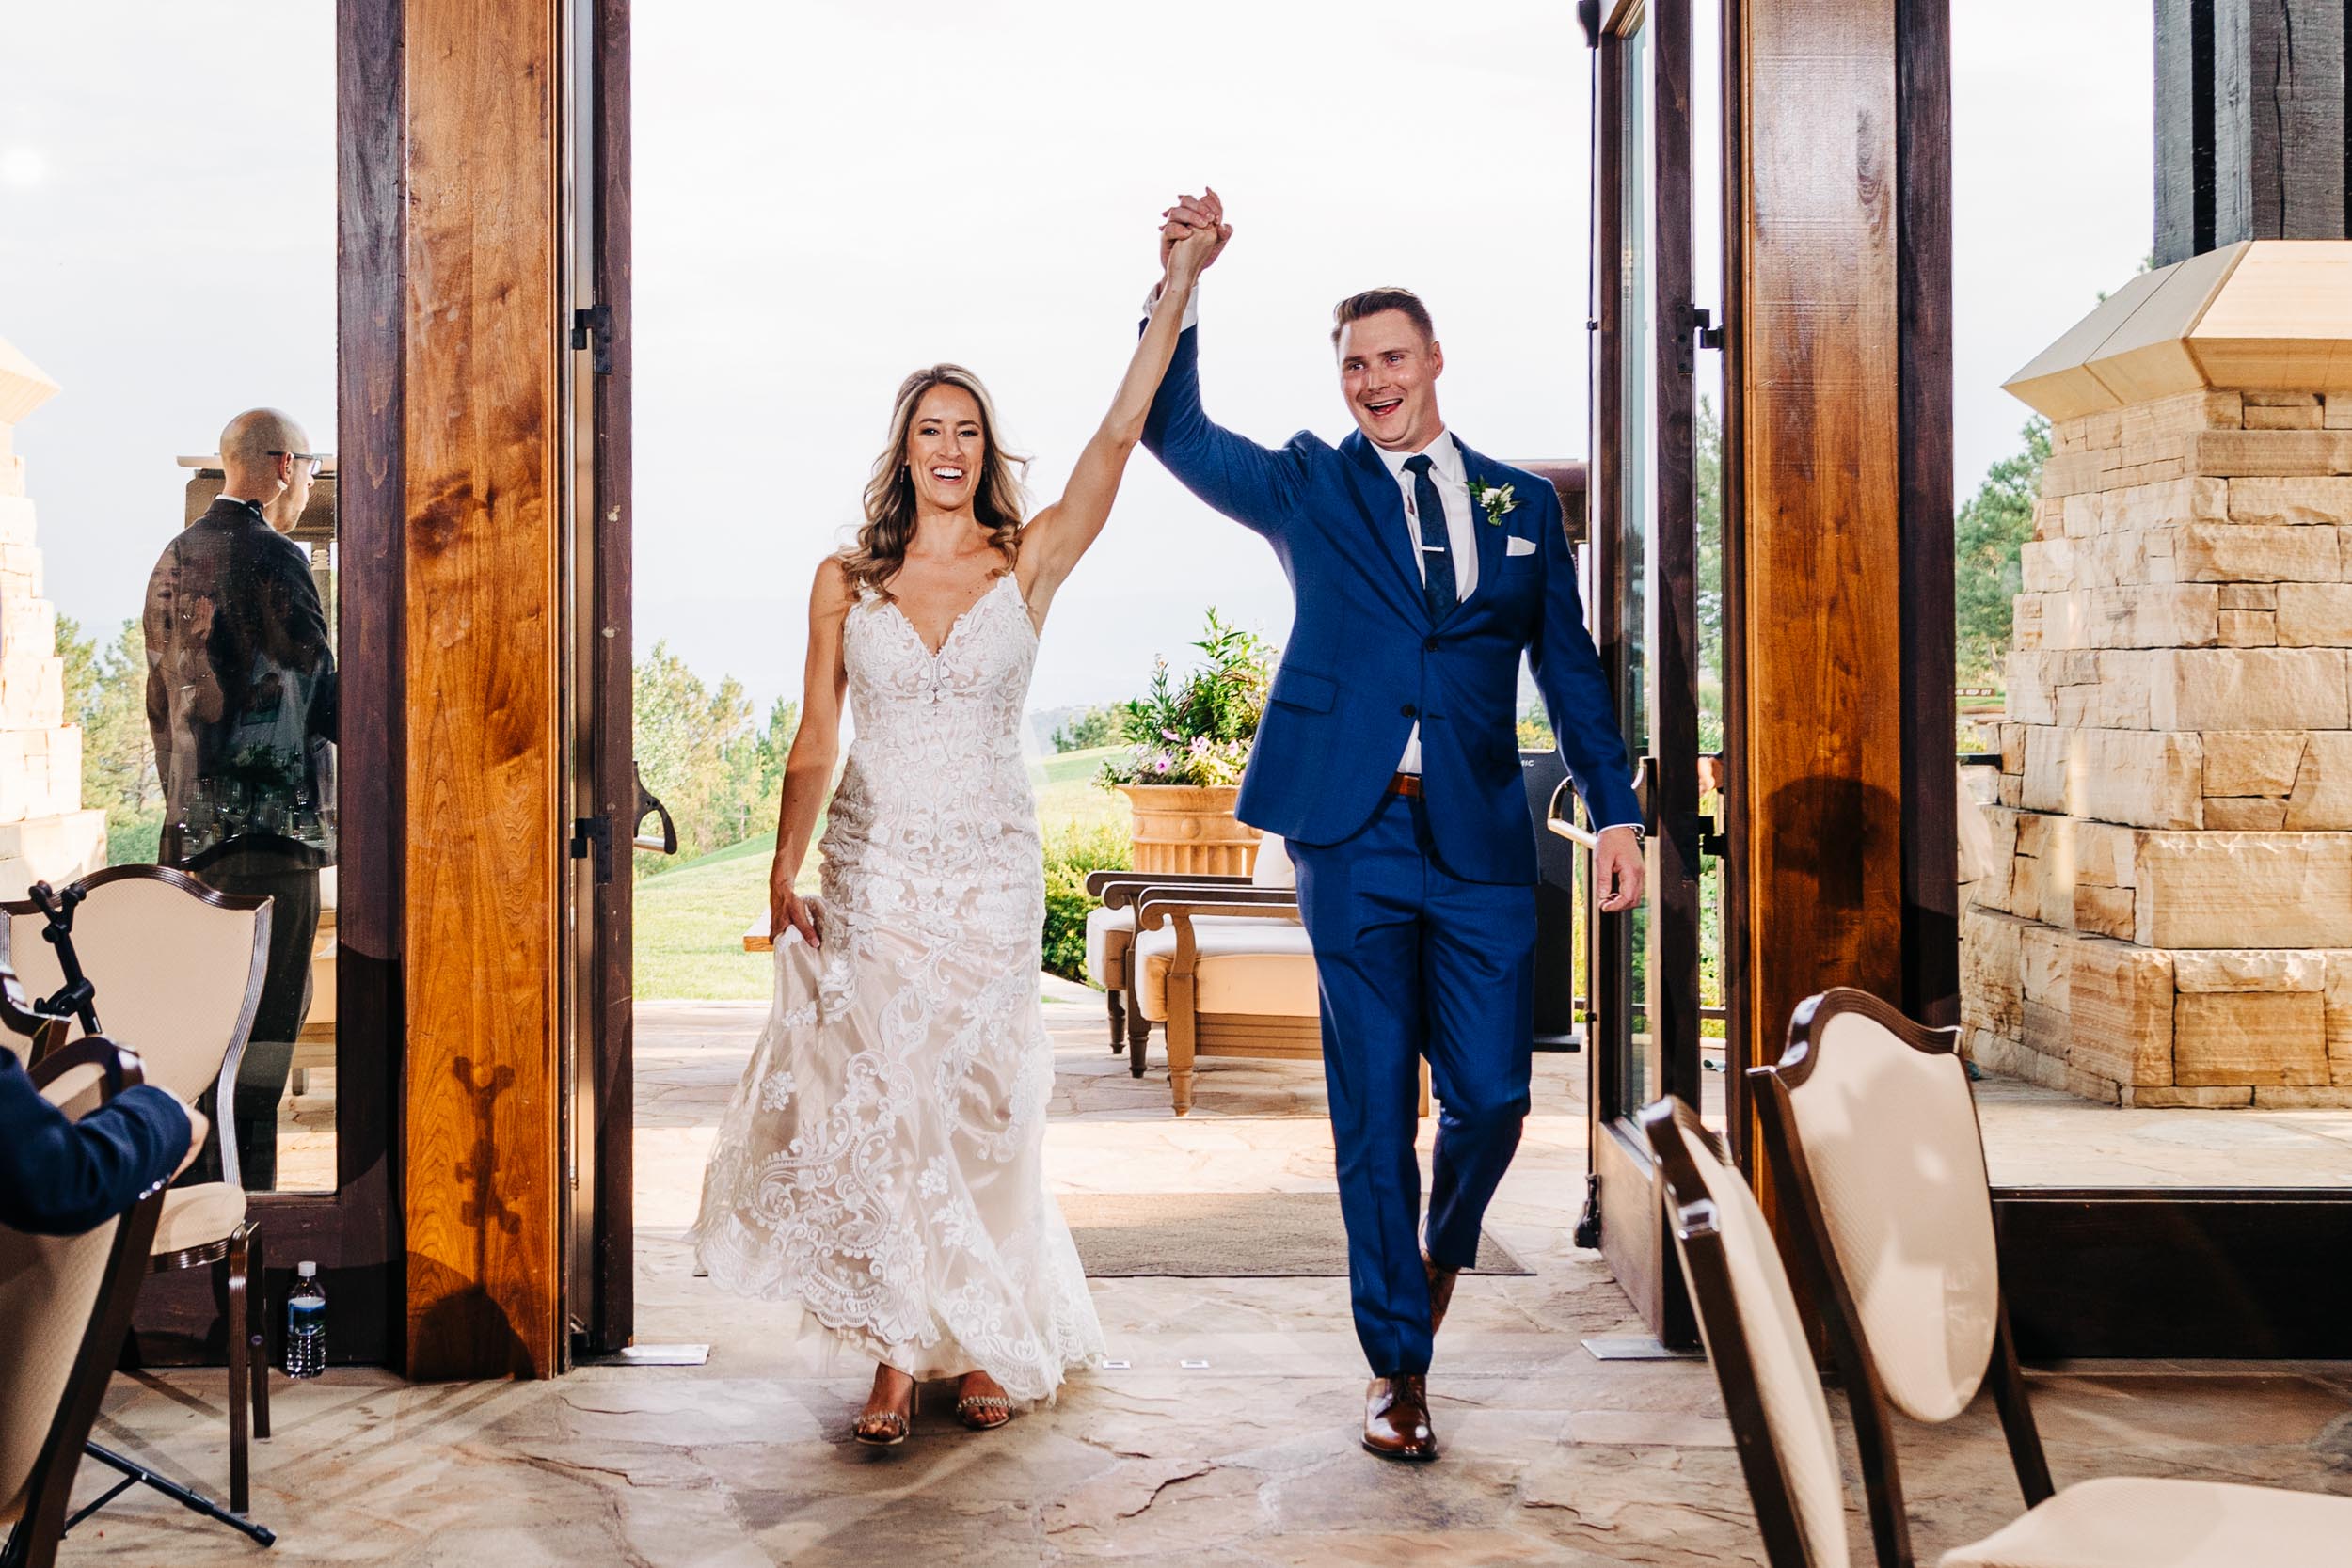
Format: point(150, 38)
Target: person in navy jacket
point(1421, 571)
point(59, 1177)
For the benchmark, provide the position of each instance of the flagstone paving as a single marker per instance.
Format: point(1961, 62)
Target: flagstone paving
point(1551, 1456)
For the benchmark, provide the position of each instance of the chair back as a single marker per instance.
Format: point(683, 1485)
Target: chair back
point(178, 967)
point(1273, 867)
point(65, 1306)
point(1748, 1318)
point(1871, 1116)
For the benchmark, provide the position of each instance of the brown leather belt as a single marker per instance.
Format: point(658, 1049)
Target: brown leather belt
point(1407, 784)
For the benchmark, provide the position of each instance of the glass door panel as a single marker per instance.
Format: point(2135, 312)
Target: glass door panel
point(1647, 1026)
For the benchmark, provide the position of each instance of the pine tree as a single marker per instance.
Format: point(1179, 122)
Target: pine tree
point(1990, 529)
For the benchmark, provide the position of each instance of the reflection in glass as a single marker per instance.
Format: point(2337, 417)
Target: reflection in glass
point(241, 712)
point(167, 270)
point(1707, 513)
point(1636, 521)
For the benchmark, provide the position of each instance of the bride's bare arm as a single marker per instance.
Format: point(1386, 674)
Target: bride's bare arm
point(1054, 540)
point(815, 747)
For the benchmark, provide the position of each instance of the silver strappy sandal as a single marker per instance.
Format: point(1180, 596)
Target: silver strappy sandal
point(984, 1412)
point(887, 1429)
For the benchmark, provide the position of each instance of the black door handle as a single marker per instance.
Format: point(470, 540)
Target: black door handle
point(649, 804)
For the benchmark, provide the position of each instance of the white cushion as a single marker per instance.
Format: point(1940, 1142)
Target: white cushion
point(177, 976)
point(1245, 965)
point(198, 1216)
point(1274, 868)
point(2128, 1522)
point(1890, 1134)
point(1101, 923)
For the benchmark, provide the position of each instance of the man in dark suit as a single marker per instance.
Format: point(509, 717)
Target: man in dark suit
point(1421, 570)
point(59, 1177)
point(241, 706)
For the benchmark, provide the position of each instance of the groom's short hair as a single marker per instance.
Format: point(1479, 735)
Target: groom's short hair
point(1355, 307)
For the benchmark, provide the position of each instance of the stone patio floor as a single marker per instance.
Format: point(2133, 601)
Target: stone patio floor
point(1551, 1456)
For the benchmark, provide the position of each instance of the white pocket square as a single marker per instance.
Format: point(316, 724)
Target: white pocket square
point(1517, 545)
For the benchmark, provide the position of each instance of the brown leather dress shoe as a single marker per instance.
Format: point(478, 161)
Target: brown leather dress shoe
point(1396, 1418)
point(1441, 1291)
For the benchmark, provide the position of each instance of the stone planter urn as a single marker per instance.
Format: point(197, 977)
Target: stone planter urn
point(1190, 829)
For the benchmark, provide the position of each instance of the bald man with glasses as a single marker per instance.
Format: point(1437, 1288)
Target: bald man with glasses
point(241, 703)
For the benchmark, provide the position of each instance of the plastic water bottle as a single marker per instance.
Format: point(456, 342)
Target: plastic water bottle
point(306, 1324)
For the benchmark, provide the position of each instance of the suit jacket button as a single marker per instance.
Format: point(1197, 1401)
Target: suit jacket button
point(1429, 644)
point(1409, 710)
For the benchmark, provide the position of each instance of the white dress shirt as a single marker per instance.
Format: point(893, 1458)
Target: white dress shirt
point(1453, 484)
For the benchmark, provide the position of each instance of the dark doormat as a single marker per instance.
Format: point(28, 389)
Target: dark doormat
point(1225, 1236)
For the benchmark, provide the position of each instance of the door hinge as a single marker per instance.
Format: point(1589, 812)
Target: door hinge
point(595, 832)
point(1698, 331)
point(1712, 840)
point(592, 328)
point(1588, 1223)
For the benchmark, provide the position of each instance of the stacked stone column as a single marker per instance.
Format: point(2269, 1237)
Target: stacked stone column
point(2168, 920)
point(45, 832)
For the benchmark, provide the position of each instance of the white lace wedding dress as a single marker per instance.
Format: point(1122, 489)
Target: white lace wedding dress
point(882, 1159)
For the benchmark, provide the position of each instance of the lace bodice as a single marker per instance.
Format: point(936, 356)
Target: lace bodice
point(935, 798)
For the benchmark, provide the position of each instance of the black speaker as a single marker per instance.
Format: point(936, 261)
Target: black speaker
point(1556, 1025)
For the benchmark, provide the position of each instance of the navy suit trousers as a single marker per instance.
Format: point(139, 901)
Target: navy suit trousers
point(1415, 962)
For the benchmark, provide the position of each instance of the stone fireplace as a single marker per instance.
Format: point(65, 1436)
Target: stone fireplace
point(2167, 916)
point(45, 835)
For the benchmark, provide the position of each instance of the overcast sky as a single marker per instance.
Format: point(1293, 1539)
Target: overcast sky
point(831, 194)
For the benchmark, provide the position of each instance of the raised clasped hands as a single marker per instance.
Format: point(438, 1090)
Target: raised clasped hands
point(1192, 233)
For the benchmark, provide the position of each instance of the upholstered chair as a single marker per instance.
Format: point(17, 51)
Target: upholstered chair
point(1871, 1130)
point(1227, 972)
point(178, 969)
point(65, 1306)
point(1111, 929)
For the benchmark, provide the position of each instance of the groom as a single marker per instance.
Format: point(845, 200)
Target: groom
point(1388, 759)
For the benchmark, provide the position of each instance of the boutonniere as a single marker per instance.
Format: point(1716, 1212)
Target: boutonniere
point(1496, 499)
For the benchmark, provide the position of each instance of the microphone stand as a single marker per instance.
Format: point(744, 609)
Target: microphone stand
point(77, 999)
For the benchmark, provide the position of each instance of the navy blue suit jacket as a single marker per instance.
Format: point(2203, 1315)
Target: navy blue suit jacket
point(1365, 661)
point(59, 1177)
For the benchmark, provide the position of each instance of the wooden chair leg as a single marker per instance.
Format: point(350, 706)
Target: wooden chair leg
point(257, 1334)
point(1138, 1026)
point(1181, 1037)
point(1425, 1085)
point(240, 1498)
point(1119, 1021)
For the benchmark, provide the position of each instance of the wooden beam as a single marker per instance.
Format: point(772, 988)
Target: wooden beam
point(2184, 129)
point(2299, 138)
point(1930, 787)
point(1819, 559)
point(480, 556)
point(614, 1314)
point(2253, 123)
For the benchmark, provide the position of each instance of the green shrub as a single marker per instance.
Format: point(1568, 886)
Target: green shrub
point(1071, 850)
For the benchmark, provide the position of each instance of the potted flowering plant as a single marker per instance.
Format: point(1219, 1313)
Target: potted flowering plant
point(1188, 743)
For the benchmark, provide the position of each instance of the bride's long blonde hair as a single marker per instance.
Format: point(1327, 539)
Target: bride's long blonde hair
point(996, 500)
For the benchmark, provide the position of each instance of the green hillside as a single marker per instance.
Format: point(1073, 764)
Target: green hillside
point(691, 916)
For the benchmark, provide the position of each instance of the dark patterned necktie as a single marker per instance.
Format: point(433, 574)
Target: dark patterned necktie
point(1437, 558)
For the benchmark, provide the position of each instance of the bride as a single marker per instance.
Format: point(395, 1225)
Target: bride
point(882, 1161)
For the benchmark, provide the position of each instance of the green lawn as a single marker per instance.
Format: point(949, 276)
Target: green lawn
point(691, 917)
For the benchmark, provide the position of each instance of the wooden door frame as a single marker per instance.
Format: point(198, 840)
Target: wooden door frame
point(352, 1233)
point(610, 1320)
point(1631, 1223)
